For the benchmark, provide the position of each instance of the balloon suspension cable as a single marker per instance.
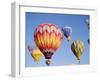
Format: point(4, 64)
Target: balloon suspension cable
point(79, 61)
point(35, 46)
point(36, 62)
point(48, 62)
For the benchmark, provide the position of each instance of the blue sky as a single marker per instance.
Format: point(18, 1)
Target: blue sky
point(64, 55)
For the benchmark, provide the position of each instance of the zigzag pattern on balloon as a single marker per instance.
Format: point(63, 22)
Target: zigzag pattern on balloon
point(48, 37)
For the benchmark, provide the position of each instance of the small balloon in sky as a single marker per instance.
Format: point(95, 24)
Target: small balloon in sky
point(37, 55)
point(87, 22)
point(30, 48)
point(77, 48)
point(67, 31)
point(88, 25)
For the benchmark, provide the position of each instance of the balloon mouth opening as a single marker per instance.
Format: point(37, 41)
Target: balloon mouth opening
point(78, 61)
point(48, 55)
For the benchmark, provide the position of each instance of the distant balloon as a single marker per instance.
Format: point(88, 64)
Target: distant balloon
point(88, 41)
point(48, 38)
point(77, 48)
point(37, 55)
point(67, 31)
point(88, 25)
point(30, 48)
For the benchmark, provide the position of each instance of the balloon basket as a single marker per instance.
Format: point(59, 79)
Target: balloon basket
point(68, 38)
point(48, 62)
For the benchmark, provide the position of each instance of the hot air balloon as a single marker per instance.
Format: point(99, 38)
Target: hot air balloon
point(88, 25)
point(35, 53)
point(67, 31)
point(48, 39)
point(77, 48)
point(30, 48)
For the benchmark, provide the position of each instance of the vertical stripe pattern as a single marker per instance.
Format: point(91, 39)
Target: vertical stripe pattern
point(48, 37)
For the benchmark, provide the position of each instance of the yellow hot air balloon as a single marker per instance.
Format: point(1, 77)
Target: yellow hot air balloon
point(77, 48)
point(37, 55)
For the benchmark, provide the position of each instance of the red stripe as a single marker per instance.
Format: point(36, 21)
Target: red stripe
point(46, 46)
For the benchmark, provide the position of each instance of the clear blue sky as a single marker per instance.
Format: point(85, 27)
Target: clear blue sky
point(64, 55)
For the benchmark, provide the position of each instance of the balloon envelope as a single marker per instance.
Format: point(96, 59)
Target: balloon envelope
point(77, 48)
point(37, 55)
point(30, 48)
point(88, 24)
point(67, 31)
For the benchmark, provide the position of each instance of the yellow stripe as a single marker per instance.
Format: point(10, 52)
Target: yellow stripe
point(53, 40)
point(47, 41)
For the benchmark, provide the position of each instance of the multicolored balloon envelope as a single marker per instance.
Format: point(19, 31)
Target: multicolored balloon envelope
point(67, 31)
point(77, 48)
point(37, 55)
point(48, 38)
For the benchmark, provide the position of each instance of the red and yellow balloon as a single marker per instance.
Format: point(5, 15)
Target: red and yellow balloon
point(48, 38)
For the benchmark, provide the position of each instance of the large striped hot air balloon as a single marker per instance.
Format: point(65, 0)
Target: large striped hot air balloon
point(48, 39)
